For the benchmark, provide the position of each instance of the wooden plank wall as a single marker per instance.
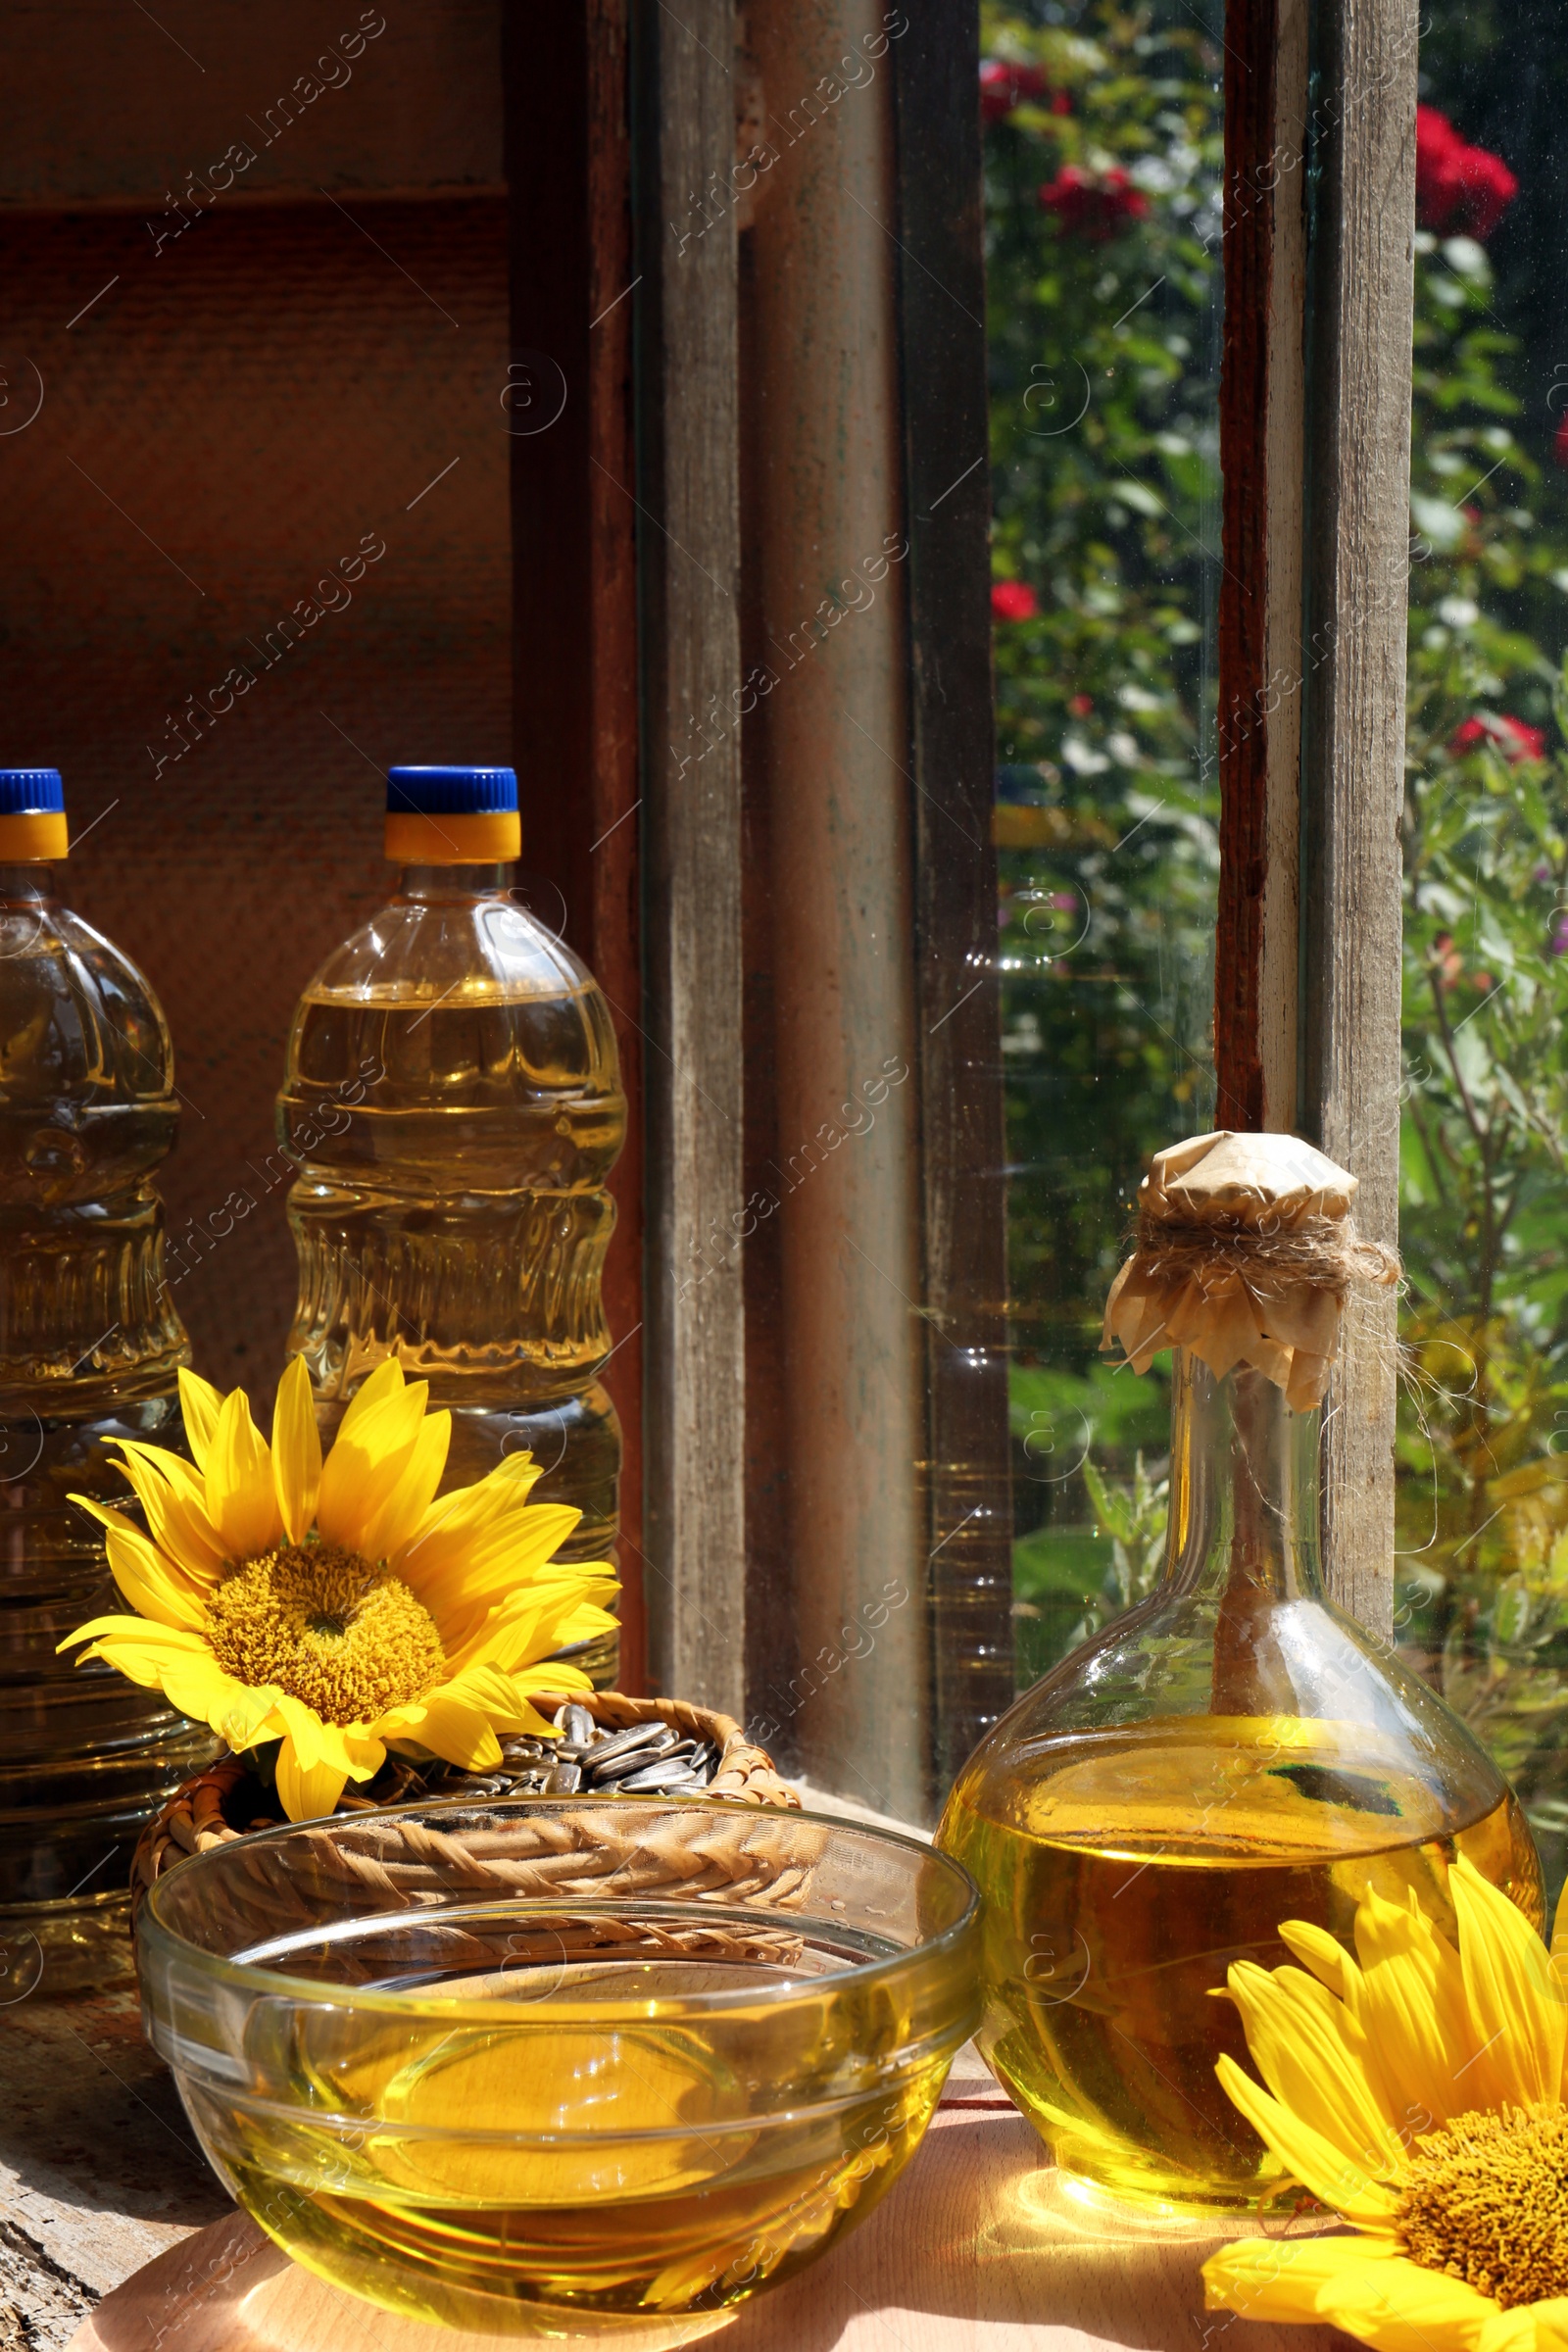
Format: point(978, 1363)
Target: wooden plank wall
point(689, 551)
point(1362, 300)
point(569, 414)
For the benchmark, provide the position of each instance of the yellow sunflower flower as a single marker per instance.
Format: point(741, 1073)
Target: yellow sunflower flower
point(338, 1606)
point(1417, 2091)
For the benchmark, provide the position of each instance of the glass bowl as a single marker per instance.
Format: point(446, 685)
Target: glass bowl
point(561, 2064)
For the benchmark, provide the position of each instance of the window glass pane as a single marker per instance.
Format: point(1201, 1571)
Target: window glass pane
point(1482, 1567)
point(1103, 200)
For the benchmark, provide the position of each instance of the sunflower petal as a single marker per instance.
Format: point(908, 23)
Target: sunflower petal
point(552, 1678)
point(1518, 2014)
point(1281, 2278)
point(189, 1676)
point(134, 1630)
point(1410, 1998)
point(306, 1793)
point(296, 1451)
point(534, 1724)
point(367, 1459)
point(527, 1626)
point(1399, 2307)
point(1318, 1951)
point(453, 1521)
point(504, 1557)
point(1522, 2329)
point(199, 1688)
point(250, 1715)
point(1327, 2170)
point(404, 1507)
point(152, 1584)
point(174, 1499)
point(200, 1404)
point(1312, 2054)
point(492, 1690)
point(1550, 2325)
point(1559, 1936)
point(144, 1559)
point(448, 1727)
point(240, 1500)
point(374, 1390)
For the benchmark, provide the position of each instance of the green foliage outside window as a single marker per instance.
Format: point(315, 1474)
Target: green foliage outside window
point(1103, 189)
point(1103, 229)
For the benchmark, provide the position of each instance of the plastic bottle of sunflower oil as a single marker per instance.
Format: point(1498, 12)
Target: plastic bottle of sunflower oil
point(90, 1348)
point(452, 1107)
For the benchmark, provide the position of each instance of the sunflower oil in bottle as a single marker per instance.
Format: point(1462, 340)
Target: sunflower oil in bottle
point(452, 1107)
point(90, 1349)
point(1233, 1753)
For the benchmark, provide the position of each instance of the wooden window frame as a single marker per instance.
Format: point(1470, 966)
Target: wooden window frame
point(650, 848)
point(1319, 293)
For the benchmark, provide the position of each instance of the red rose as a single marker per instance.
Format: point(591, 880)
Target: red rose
point(1447, 960)
point(1080, 705)
point(1560, 445)
point(1004, 86)
point(1094, 207)
point(1510, 736)
point(1012, 600)
point(1459, 188)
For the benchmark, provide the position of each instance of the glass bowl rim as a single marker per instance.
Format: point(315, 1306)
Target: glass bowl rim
point(171, 1949)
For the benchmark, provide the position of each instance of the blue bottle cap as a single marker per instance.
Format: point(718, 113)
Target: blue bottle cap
point(33, 816)
point(452, 815)
point(451, 790)
point(31, 791)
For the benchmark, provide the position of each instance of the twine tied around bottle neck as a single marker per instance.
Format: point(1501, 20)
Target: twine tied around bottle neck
point(1246, 1253)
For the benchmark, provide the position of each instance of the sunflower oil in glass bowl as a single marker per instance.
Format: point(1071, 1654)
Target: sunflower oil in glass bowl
point(596, 2111)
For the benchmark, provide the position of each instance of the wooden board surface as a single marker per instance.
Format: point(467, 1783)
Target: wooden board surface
point(99, 2168)
point(978, 2249)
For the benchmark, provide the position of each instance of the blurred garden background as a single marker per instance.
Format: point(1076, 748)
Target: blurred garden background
point(1102, 160)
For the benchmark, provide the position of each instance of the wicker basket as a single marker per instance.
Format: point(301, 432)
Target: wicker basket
point(226, 1802)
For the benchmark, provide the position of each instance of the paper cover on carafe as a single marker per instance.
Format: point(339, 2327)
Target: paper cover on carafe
point(1246, 1253)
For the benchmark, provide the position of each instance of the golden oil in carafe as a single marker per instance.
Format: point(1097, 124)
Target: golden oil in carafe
point(452, 1106)
point(1138, 1867)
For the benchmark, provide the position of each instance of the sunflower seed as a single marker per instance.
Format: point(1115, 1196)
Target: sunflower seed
point(630, 1742)
point(577, 1726)
point(565, 1780)
point(616, 1768)
point(657, 1779)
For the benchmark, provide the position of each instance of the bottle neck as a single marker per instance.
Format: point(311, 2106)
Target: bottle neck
point(436, 882)
point(1243, 1489)
point(35, 883)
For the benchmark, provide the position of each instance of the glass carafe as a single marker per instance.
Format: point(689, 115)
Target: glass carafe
point(1233, 1753)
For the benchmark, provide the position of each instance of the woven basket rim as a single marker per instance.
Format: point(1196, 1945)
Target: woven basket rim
point(196, 1816)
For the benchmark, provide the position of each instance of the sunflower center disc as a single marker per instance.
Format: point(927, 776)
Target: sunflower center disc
point(328, 1626)
point(1486, 2201)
